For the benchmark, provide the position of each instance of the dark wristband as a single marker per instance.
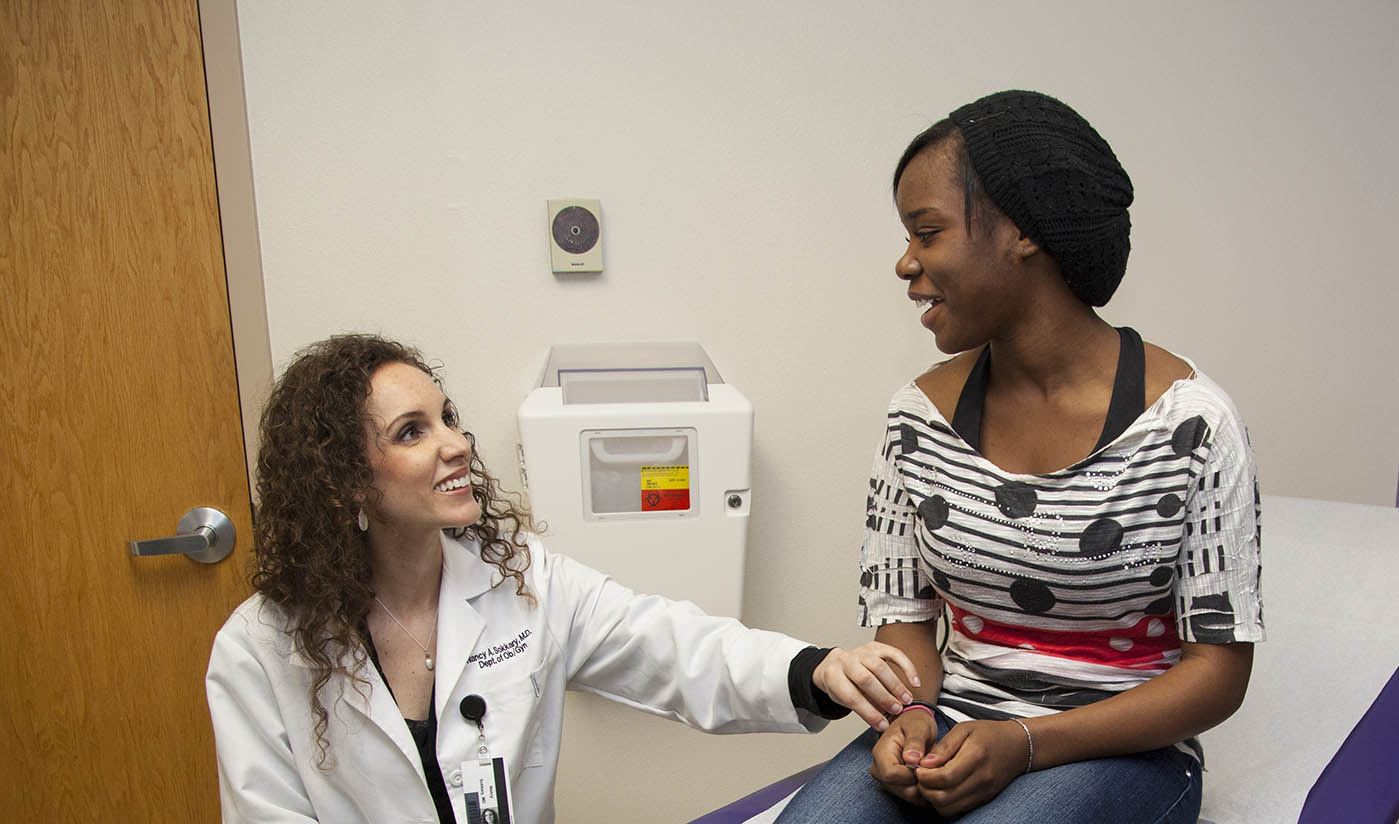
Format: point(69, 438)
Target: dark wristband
point(805, 695)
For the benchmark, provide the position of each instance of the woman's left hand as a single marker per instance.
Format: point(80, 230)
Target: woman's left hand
point(864, 680)
point(971, 764)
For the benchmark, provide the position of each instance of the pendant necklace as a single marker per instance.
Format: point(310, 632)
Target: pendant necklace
point(427, 656)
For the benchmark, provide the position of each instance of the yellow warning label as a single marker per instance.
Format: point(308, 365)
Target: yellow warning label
point(665, 477)
point(665, 487)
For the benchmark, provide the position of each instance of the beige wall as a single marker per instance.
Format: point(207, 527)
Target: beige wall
point(402, 154)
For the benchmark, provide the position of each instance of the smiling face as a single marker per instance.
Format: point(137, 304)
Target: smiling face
point(961, 276)
point(418, 457)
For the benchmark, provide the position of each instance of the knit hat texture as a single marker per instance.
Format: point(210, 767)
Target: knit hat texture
point(1058, 180)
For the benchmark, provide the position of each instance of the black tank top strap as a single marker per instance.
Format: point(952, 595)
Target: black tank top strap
point(1128, 387)
point(966, 419)
point(1126, 405)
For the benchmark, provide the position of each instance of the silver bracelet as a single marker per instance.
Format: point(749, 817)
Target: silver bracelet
point(1030, 740)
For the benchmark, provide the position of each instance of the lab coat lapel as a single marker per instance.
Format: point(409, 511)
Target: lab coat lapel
point(459, 625)
point(378, 707)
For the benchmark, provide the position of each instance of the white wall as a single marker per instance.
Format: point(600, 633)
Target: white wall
point(403, 153)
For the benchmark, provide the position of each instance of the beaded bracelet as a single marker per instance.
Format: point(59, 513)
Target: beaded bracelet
point(1030, 740)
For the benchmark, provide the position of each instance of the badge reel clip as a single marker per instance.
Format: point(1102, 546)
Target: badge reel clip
point(473, 709)
point(486, 796)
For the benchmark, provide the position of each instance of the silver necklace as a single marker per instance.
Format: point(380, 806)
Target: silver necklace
point(427, 656)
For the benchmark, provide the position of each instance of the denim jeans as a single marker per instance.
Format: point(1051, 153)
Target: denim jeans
point(1158, 787)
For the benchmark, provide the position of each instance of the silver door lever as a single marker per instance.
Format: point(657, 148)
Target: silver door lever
point(203, 534)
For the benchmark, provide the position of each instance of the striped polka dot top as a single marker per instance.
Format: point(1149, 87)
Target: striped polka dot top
point(1068, 587)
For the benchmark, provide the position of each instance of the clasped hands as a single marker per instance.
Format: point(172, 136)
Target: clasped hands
point(959, 772)
point(965, 769)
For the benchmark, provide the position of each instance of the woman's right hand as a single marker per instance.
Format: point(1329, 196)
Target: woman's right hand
point(898, 752)
point(872, 680)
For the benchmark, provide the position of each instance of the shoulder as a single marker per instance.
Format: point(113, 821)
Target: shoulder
point(555, 579)
point(257, 630)
point(557, 569)
point(942, 384)
point(465, 554)
point(256, 619)
point(1183, 390)
point(571, 596)
point(1202, 396)
point(1163, 369)
point(539, 555)
point(1199, 411)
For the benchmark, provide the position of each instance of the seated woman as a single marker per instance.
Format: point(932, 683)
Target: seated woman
point(406, 653)
point(1083, 505)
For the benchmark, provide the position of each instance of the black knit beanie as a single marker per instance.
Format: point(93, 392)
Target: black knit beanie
point(1058, 180)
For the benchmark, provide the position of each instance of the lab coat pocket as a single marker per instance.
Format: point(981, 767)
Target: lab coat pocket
point(514, 718)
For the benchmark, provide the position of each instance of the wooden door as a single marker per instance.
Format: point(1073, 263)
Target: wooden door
point(118, 412)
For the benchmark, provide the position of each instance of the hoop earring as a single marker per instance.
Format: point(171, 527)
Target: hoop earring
point(363, 521)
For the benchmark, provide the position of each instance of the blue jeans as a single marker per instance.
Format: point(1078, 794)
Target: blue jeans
point(1158, 787)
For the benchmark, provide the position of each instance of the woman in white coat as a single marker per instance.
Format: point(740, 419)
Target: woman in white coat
point(406, 652)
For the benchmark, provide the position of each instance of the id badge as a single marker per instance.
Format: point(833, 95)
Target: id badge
point(485, 796)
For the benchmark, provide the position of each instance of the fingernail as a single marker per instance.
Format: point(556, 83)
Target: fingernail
point(907, 698)
point(896, 708)
point(882, 726)
point(916, 682)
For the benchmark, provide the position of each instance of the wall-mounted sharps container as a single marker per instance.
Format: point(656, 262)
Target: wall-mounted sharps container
point(637, 458)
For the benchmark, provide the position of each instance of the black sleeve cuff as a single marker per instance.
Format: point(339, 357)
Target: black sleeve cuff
point(805, 695)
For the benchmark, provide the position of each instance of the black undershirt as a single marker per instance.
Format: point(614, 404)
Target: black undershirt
point(424, 734)
point(1127, 403)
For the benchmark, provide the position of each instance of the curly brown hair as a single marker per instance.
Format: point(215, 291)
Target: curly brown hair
point(309, 557)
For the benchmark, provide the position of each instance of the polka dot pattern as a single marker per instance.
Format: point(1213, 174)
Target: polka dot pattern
point(1102, 537)
point(1032, 596)
point(1188, 436)
point(1212, 619)
point(1016, 499)
point(1169, 505)
point(942, 581)
point(1162, 575)
point(908, 440)
point(934, 511)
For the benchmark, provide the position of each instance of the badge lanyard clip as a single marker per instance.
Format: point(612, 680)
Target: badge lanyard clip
point(473, 709)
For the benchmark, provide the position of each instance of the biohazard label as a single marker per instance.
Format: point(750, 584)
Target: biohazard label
point(665, 487)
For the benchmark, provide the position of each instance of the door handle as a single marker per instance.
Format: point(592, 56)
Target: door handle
point(203, 534)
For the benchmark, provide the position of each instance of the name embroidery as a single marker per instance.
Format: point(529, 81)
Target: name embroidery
point(497, 653)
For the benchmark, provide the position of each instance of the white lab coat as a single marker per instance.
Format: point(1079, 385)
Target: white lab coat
point(587, 632)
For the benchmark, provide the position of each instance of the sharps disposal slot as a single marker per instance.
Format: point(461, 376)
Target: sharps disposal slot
point(638, 473)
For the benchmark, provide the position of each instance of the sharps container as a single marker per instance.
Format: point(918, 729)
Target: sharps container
point(637, 458)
